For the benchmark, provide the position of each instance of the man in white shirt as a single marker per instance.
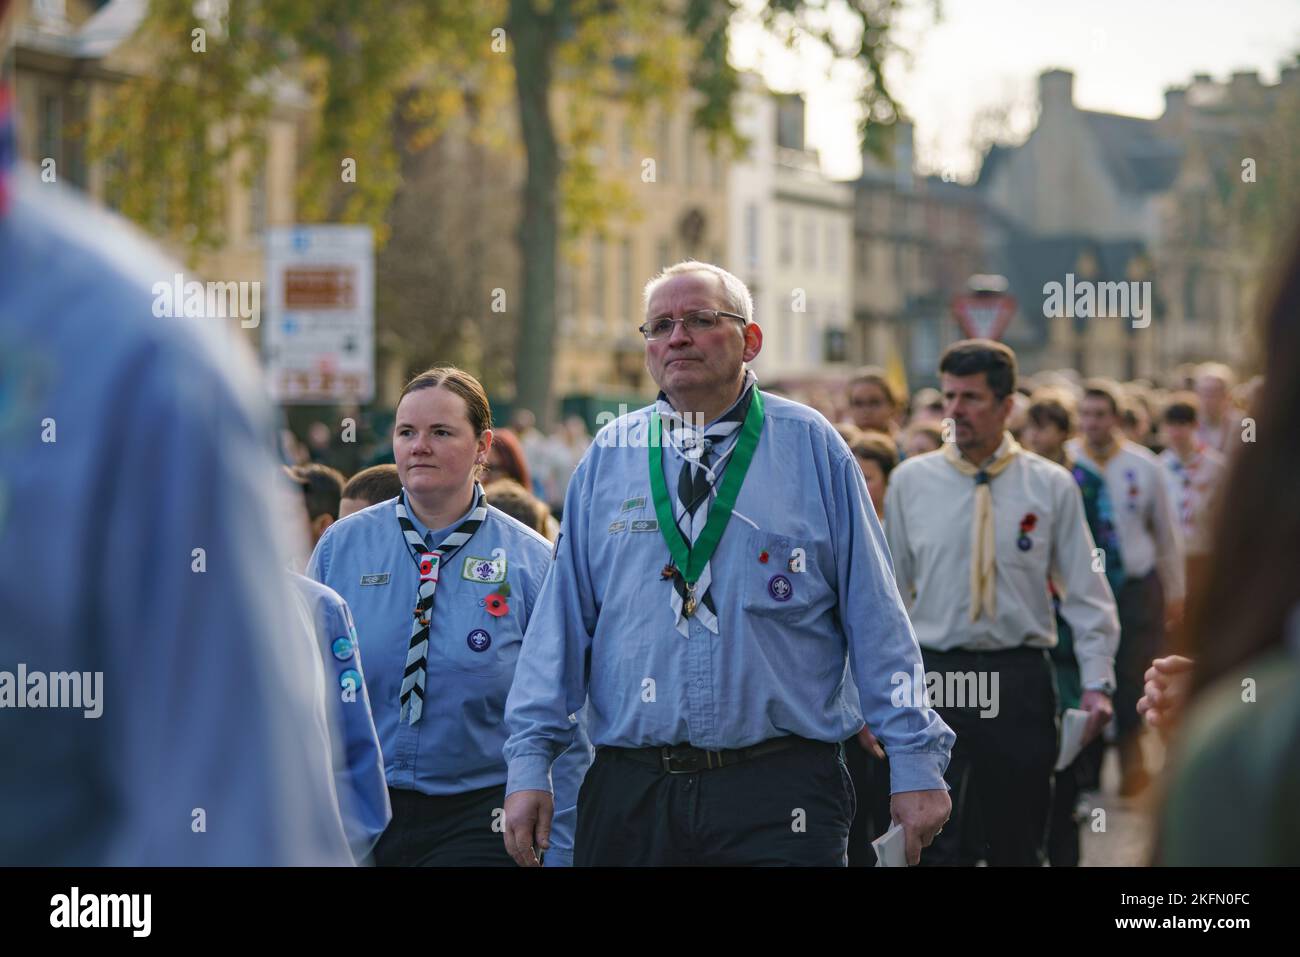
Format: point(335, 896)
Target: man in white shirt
point(1219, 425)
point(1193, 471)
point(974, 530)
point(1151, 543)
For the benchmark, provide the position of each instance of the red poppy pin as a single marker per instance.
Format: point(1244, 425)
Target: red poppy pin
point(1028, 523)
point(496, 602)
point(762, 557)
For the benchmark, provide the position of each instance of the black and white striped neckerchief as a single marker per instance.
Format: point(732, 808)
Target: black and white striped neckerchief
point(429, 564)
point(696, 486)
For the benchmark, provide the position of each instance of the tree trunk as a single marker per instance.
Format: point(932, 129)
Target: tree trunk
point(533, 35)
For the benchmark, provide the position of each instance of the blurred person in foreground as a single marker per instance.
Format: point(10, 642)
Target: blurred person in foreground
point(379, 483)
point(150, 434)
point(358, 764)
point(1233, 783)
point(922, 437)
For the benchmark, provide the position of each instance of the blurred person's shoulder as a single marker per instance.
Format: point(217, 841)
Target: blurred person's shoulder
point(80, 287)
point(382, 516)
point(1234, 779)
point(918, 468)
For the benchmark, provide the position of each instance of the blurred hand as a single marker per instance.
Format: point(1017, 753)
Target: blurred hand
point(1100, 711)
point(528, 825)
point(922, 815)
point(869, 743)
point(1165, 692)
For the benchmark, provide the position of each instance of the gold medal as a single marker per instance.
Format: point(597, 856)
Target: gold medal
point(688, 609)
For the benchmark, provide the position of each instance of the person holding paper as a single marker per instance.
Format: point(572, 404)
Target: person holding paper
point(1051, 420)
point(975, 530)
point(719, 568)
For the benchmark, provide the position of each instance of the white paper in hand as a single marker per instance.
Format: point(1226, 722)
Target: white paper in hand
point(1073, 723)
point(891, 847)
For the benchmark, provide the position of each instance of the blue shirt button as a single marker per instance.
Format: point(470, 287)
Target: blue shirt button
point(350, 678)
point(342, 648)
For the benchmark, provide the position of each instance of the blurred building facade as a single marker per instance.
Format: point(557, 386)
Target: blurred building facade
point(791, 241)
point(1105, 198)
point(917, 240)
point(69, 56)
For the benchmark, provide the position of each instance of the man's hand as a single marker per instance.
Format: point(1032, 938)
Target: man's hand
point(922, 815)
point(869, 743)
point(1098, 706)
point(1165, 692)
point(528, 825)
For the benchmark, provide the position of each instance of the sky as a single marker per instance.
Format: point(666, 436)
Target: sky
point(983, 54)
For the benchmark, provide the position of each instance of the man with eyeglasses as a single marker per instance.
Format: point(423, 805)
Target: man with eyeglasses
point(722, 591)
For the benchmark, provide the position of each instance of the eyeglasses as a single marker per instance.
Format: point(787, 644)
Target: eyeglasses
point(706, 320)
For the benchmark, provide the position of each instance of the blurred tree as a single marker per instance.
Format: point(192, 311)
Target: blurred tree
point(385, 78)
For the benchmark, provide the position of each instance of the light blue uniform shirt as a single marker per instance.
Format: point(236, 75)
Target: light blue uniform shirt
point(788, 651)
point(456, 745)
point(358, 763)
point(212, 747)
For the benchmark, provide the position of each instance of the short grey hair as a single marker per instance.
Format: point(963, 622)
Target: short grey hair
point(737, 293)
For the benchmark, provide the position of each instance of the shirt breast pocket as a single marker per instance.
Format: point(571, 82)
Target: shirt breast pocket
point(480, 648)
point(781, 581)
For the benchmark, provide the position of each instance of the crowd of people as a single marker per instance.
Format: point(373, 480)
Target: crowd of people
point(733, 629)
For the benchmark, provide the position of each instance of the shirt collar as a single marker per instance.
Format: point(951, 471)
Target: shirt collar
point(750, 381)
point(431, 536)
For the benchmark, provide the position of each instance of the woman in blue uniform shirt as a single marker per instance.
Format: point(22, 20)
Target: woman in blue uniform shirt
point(441, 585)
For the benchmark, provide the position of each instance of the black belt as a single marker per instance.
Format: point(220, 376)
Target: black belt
point(686, 759)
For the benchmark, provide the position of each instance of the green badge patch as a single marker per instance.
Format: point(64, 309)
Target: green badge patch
point(489, 571)
point(633, 503)
point(616, 527)
point(646, 525)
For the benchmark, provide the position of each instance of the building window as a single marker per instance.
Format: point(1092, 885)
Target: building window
point(751, 235)
point(664, 149)
point(257, 205)
point(628, 301)
point(49, 138)
point(832, 247)
point(785, 231)
point(688, 146)
point(810, 243)
point(599, 307)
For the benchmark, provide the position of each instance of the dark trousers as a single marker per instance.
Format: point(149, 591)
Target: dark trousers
point(453, 830)
point(870, 777)
point(1141, 603)
point(1063, 829)
point(791, 807)
point(1001, 766)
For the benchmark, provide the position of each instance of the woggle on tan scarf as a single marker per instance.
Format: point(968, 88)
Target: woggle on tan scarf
point(982, 566)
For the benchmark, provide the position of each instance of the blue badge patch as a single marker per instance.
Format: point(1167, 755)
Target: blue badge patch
point(478, 640)
point(779, 587)
point(342, 648)
point(1023, 543)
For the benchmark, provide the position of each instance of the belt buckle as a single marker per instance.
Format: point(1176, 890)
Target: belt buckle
point(680, 762)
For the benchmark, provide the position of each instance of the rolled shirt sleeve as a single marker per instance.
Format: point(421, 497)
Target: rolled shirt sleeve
point(881, 642)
